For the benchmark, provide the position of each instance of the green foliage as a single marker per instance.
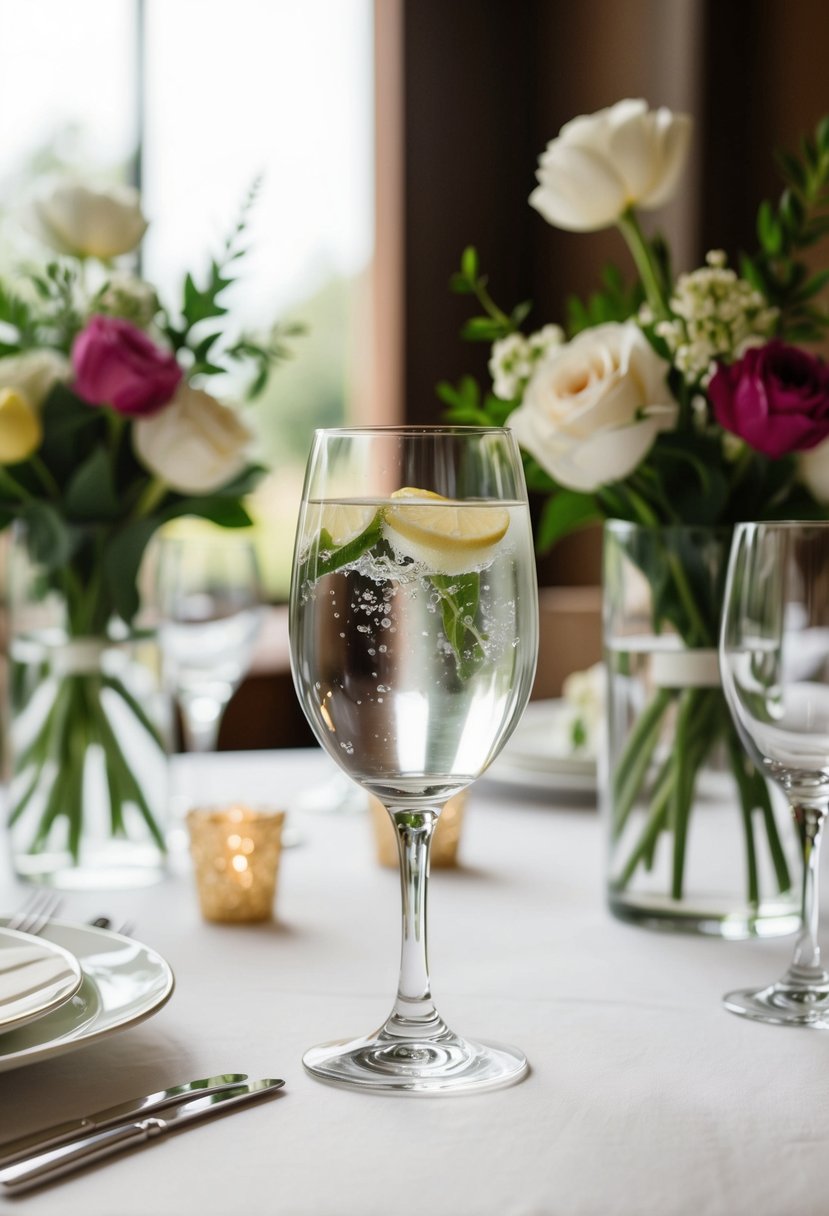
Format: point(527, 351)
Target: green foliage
point(798, 221)
point(494, 323)
point(467, 406)
point(616, 301)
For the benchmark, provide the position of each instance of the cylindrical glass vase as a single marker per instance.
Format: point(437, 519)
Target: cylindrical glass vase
point(87, 731)
point(697, 839)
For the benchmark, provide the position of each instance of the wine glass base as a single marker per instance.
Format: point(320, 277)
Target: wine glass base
point(785, 1003)
point(447, 1065)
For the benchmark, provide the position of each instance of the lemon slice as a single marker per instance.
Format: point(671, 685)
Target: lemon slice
point(344, 522)
point(445, 534)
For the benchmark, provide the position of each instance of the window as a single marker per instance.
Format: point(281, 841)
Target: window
point(199, 99)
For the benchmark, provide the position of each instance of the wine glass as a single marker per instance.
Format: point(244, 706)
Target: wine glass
point(210, 605)
point(414, 634)
point(774, 659)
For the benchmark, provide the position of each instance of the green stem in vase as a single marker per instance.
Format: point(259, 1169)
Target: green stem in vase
point(634, 761)
point(778, 856)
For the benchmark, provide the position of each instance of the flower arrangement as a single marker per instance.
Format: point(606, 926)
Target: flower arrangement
point(668, 401)
point(107, 432)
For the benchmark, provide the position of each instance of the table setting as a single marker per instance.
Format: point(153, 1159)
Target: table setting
point(614, 1027)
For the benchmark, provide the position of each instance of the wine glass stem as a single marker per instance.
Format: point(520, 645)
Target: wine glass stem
point(808, 819)
point(414, 1014)
point(200, 721)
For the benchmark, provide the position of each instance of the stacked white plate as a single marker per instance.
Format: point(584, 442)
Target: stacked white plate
point(539, 755)
point(70, 985)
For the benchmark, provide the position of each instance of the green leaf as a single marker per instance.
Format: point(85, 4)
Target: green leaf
point(564, 512)
point(768, 229)
point(226, 512)
point(49, 539)
point(91, 494)
point(482, 329)
point(121, 562)
point(469, 263)
point(459, 595)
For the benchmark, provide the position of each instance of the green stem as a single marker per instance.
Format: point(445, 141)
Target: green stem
point(697, 624)
point(738, 767)
point(778, 856)
point(640, 743)
point(47, 480)
point(645, 263)
point(13, 486)
point(151, 496)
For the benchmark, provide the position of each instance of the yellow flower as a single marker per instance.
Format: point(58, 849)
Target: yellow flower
point(20, 428)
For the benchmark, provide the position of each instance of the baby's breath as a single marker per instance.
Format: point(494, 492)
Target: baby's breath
point(715, 314)
point(513, 359)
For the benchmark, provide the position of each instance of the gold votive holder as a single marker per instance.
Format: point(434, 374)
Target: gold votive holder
point(235, 851)
point(445, 841)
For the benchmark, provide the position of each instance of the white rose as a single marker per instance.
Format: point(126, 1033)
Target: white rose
point(195, 444)
point(34, 373)
point(601, 164)
point(813, 469)
point(86, 222)
point(594, 406)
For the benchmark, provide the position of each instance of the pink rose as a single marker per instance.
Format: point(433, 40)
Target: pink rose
point(776, 398)
point(116, 364)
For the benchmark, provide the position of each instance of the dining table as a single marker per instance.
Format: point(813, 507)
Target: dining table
point(644, 1095)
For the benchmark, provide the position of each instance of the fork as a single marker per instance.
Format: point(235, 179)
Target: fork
point(35, 912)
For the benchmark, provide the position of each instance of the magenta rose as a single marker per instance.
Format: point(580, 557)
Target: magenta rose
point(776, 398)
point(116, 364)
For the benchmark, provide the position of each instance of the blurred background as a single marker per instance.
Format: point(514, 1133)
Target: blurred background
point(388, 135)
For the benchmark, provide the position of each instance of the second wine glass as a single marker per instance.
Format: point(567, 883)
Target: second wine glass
point(210, 605)
point(774, 660)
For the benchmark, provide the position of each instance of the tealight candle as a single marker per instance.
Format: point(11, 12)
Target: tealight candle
point(444, 851)
point(235, 852)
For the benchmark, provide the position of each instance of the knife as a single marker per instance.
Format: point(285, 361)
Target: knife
point(44, 1166)
point(51, 1137)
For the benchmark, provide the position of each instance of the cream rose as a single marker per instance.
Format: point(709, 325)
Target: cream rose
point(86, 222)
point(594, 406)
point(601, 164)
point(195, 444)
point(34, 373)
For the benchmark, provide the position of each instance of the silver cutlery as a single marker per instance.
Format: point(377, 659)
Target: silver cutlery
point(133, 1108)
point(35, 912)
point(44, 1166)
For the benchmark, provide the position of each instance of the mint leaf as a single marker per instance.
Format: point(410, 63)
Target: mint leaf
point(459, 596)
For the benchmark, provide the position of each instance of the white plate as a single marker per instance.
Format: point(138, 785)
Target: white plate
point(123, 983)
point(36, 977)
point(582, 786)
point(537, 756)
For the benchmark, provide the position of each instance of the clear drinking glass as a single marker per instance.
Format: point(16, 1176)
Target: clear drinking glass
point(210, 604)
point(774, 659)
point(414, 634)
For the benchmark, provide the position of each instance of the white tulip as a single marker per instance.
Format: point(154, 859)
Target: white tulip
point(79, 220)
point(594, 406)
point(813, 471)
point(601, 164)
point(195, 444)
point(34, 373)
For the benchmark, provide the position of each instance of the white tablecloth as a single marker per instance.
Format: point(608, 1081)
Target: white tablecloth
point(644, 1097)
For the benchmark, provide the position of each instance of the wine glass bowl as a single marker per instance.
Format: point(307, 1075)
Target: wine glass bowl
point(774, 660)
point(413, 627)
